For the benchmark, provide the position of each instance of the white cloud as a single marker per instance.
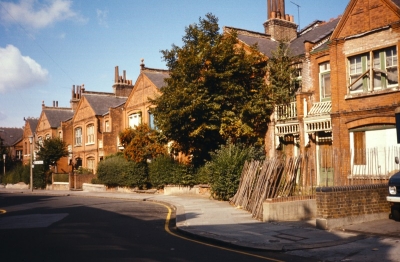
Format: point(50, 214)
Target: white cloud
point(33, 14)
point(102, 17)
point(18, 71)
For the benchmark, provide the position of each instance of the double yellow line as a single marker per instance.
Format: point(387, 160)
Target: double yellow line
point(166, 227)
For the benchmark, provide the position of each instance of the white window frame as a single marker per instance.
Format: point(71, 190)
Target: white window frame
point(90, 134)
point(384, 67)
point(134, 120)
point(90, 163)
point(324, 74)
point(107, 126)
point(78, 136)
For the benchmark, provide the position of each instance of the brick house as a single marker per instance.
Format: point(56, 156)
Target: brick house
point(365, 97)
point(338, 109)
point(12, 139)
point(96, 122)
point(48, 126)
point(137, 108)
point(304, 124)
point(28, 131)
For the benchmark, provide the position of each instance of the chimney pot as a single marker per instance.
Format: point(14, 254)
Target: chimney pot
point(142, 64)
point(116, 75)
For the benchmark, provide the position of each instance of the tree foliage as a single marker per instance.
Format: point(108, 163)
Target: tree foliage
point(51, 150)
point(216, 91)
point(142, 143)
point(281, 75)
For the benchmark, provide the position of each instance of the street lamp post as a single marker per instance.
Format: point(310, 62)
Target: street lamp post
point(31, 156)
point(4, 165)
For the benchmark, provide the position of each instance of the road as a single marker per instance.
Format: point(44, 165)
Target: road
point(67, 228)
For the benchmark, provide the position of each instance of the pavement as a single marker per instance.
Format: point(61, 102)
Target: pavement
point(219, 221)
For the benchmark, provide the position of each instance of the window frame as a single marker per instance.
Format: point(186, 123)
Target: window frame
point(90, 134)
point(78, 136)
point(360, 65)
point(134, 119)
point(324, 71)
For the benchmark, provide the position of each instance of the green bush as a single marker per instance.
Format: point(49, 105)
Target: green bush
point(163, 170)
point(61, 177)
point(41, 176)
point(117, 171)
point(224, 169)
point(19, 173)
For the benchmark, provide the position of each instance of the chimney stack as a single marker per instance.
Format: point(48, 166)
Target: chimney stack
point(116, 76)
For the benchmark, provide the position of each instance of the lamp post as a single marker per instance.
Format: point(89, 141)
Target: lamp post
point(4, 165)
point(31, 156)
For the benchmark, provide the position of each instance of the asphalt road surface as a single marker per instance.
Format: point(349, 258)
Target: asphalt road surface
point(66, 228)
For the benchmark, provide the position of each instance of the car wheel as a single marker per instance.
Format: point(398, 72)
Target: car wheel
point(395, 214)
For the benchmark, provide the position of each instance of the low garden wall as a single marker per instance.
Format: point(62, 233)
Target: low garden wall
point(345, 205)
point(289, 209)
point(203, 190)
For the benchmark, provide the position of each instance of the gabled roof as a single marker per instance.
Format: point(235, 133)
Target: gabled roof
point(396, 2)
point(11, 136)
point(156, 76)
point(101, 103)
point(314, 35)
point(56, 115)
point(32, 122)
point(250, 38)
point(390, 9)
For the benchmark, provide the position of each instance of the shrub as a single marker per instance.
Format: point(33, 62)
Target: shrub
point(117, 171)
point(19, 173)
point(224, 169)
point(163, 170)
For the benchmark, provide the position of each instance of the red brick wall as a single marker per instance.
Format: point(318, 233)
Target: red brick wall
point(339, 202)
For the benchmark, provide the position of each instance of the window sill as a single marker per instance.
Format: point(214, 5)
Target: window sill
point(372, 93)
point(89, 144)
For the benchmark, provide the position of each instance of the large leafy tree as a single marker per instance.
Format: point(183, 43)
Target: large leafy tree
point(51, 150)
point(216, 92)
point(142, 143)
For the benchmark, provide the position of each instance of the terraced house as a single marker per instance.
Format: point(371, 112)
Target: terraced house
point(365, 85)
point(347, 89)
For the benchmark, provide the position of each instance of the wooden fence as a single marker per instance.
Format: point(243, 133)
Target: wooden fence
point(299, 176)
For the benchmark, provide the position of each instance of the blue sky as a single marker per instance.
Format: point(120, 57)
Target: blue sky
point(46, 46)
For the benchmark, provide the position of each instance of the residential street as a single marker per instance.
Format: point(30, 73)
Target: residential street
point(60, 228)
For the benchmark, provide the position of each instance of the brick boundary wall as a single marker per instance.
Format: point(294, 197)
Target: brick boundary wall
point(344, 205)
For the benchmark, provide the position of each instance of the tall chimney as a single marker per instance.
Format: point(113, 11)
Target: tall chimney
point(124, 77)
point(56, 103)
point(116, 76)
